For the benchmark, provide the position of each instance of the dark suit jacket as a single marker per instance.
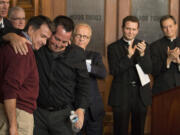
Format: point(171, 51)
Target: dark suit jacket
point(164, 79)
point(121, 68)
point(98, 71)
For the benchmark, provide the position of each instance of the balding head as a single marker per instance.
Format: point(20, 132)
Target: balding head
point(82, 34)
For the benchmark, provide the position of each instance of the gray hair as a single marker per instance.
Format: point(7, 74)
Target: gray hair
point(83, 24)
point(14, 9)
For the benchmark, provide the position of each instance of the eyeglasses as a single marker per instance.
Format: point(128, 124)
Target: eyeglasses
point(18, 19)
point(82, 36)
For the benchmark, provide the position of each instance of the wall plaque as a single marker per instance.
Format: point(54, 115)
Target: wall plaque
point(149, 13)
point(91, 12)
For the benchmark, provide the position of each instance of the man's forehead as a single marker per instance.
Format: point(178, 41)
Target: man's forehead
point(61, 29)
point(45, 27)
point(4, 0)
point(18, 13)
point(45, 31)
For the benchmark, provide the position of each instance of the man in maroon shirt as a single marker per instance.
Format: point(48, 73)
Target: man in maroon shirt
point(19, 80)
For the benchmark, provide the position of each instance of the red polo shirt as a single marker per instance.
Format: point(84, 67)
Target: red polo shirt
point(19, 78)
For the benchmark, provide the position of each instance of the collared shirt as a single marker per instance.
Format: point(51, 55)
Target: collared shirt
point(26, 36)
point(171, 39)
point(64, 79)
point(129, 41)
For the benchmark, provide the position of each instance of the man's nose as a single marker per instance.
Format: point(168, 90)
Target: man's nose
point(44, 42)
point(6, 6)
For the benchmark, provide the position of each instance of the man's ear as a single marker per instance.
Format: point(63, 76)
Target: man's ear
point(30, 30)
point(69, 42)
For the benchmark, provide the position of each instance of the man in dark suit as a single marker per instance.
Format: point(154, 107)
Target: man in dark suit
point(4, 23)
point(93, 124)
point(165, 57)
point(127, 96)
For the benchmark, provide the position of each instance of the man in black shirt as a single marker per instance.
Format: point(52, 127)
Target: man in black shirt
point(165, 57)
point(127, 96)
point(63, 74)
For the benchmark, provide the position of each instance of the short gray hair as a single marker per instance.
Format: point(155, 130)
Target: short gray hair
point(14, 9)
point(83, 24)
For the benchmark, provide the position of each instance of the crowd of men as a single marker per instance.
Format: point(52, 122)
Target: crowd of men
point(46, 72)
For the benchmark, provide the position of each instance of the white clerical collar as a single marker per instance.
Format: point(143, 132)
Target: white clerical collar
point(128, 41)
point(2, 23)
point(172, 39)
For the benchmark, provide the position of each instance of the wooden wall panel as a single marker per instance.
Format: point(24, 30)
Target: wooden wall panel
point(110, 36)
point(174, 8)
point(46, 8)
point(58, 7)
point(110, 33)
point(124, 9)
point(31, 7)
point(53, 8)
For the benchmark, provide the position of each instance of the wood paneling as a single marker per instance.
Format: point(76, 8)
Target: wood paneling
point(174, 9)
point(124, 9)
point(46, 8)
point(31, 7)
point(165, 113)
point(58, 7)
point(110, 36)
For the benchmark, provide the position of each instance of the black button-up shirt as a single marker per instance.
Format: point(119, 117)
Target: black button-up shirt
point(64, 78)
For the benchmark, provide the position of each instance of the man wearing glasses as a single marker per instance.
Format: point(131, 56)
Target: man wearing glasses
point(16, 15)
point(93, 123)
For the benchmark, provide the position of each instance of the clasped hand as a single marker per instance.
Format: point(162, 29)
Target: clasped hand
point(141, 46)
point(173, 55)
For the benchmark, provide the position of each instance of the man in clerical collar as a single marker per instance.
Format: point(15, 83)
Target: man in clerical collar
point(126, 94)
point(4, 6)
point(1, 24)
point(165, 54)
